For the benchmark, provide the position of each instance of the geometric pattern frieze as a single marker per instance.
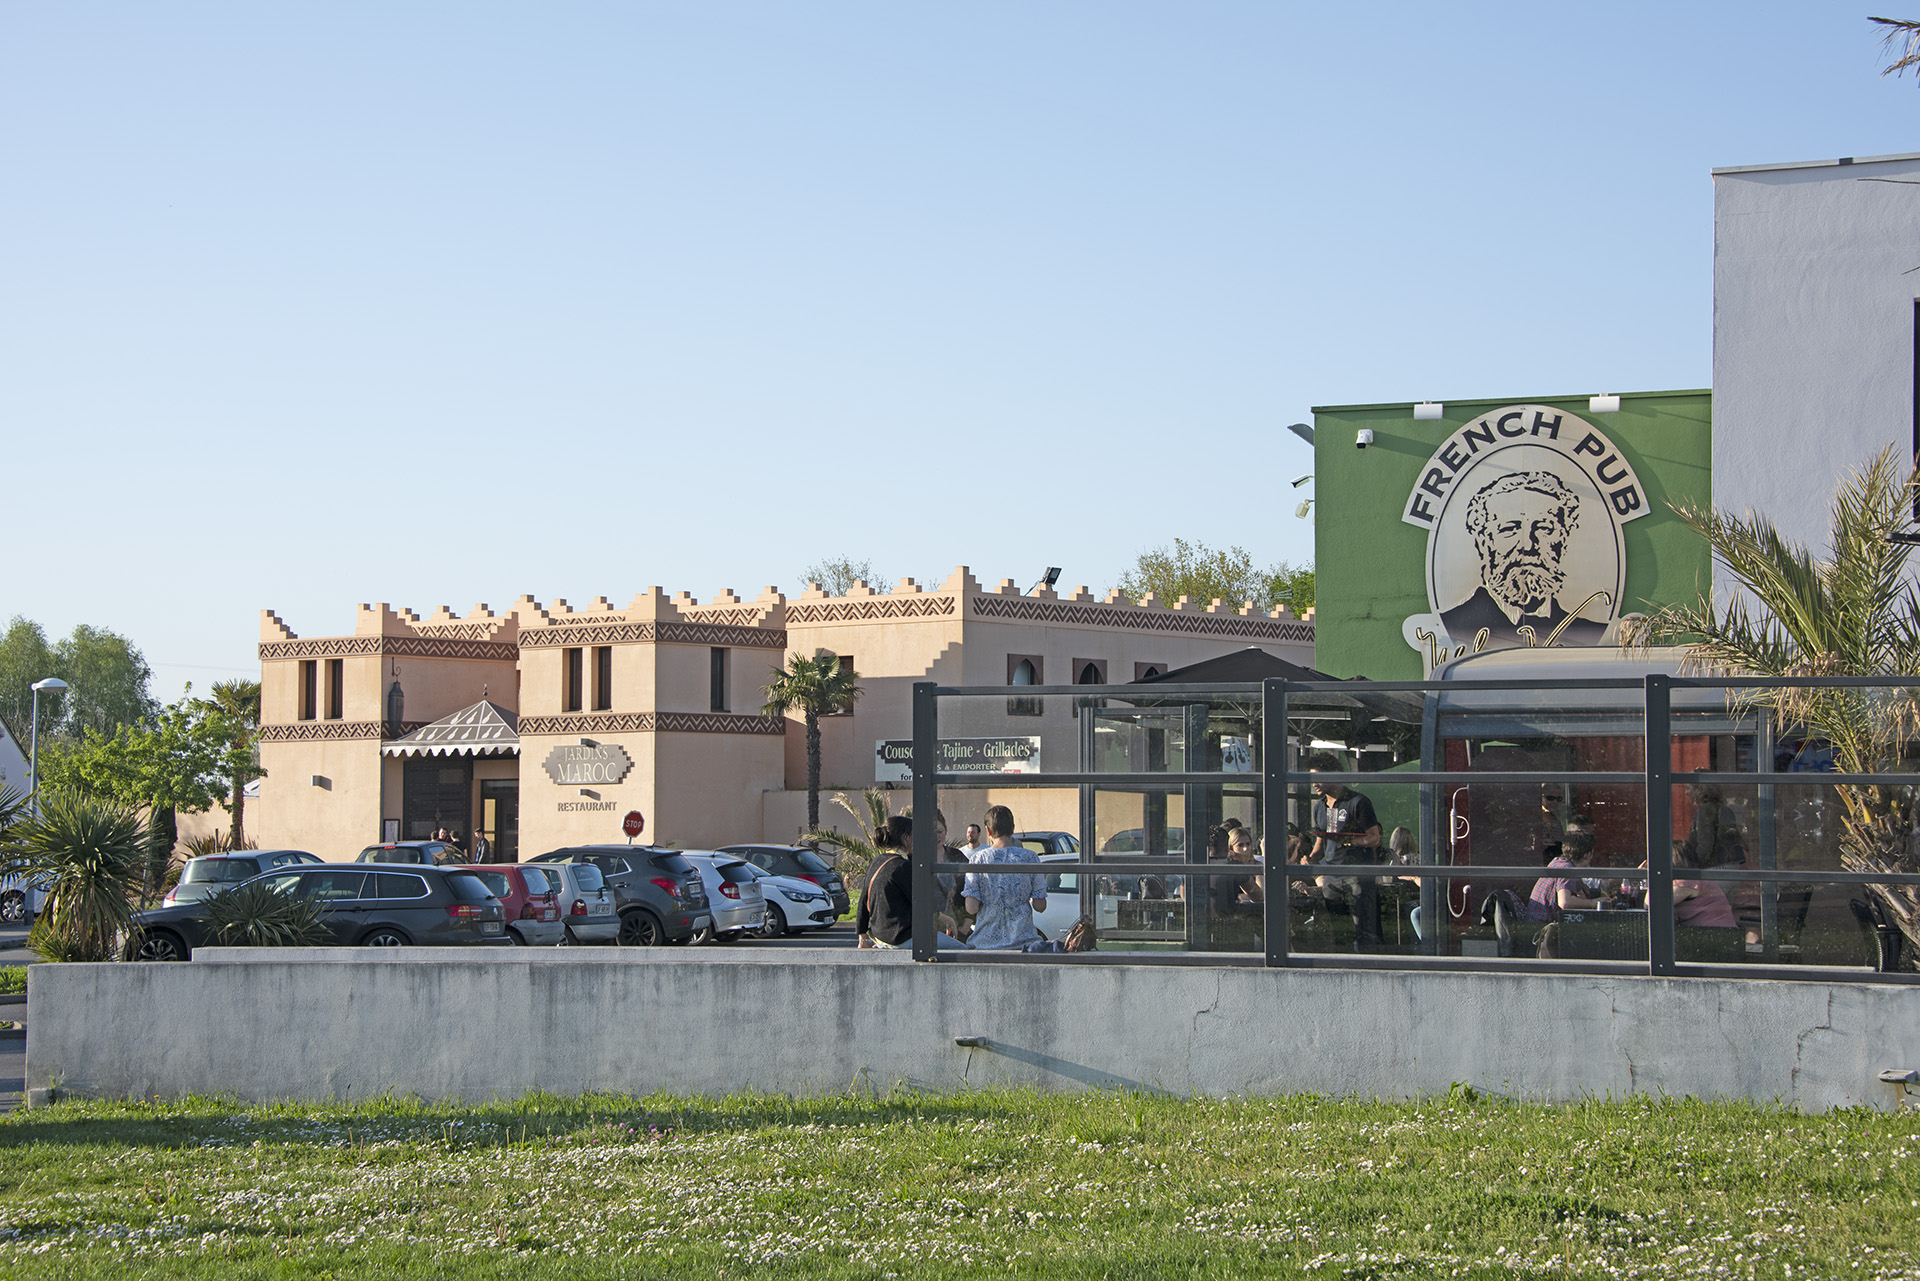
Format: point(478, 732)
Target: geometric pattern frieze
point(571, 634)
point(1026, 609)
point(391, 646)
point(652, 723)
point(871, 609)
point(329, 731)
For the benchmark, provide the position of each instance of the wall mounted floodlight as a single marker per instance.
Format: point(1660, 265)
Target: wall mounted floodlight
point(1303, 480)
point(589, 793)
point(1306, 505)
point(587, 742)
point(1302, 430)
point(1046, 580)
point(321, 781)
point(1363, 438)
point(1428, 411)
point(1603, 404)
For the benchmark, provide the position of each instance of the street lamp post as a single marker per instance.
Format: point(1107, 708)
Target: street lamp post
point(52, 685)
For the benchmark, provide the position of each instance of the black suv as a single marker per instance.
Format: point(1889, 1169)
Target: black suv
point(362, 907)
point(659, 894)
point(796, 861)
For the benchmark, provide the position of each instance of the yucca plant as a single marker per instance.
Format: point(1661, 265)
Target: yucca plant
point(1855, 614)
point(254, 914)
point(88, 854)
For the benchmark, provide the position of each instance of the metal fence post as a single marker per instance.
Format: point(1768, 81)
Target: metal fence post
point(1659, 725)
point(926, 804)
point(1273, 815)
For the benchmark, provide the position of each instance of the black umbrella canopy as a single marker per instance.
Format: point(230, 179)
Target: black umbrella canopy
point(1251, 664)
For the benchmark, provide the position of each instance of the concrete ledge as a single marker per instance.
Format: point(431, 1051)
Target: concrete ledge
point(348, 1023)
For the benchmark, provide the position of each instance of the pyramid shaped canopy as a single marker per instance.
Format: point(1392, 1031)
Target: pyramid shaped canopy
point(1242, 666)
point(472, 731)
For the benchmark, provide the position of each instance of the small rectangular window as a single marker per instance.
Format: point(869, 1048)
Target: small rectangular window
point(602, 678)
point(717, 679)
point(309, 689)
point(336, 693)
point(1025, 669)
point(846, 665)
point(570, 680)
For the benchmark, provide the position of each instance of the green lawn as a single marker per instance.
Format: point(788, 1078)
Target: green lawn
point(971, 1186)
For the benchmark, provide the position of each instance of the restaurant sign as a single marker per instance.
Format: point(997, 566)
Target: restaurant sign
point(1524, 511)
point(583, 765)
point(893, 757)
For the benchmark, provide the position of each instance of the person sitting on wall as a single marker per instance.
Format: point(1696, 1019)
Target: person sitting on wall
point(1003, 906)
point(885, 915)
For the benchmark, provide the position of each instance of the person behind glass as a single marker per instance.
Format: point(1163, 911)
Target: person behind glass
point(1346, 831)
point(972, 845)
point(482, 850)
point(1553, 895)
point(1003, 906)
point(885, 915)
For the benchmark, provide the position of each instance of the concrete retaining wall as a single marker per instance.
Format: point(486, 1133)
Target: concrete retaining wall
point(345, 1024)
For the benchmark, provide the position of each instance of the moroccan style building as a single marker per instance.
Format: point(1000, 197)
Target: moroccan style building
point(544, 724)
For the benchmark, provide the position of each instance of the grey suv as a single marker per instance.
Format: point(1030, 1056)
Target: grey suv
point(660, 895)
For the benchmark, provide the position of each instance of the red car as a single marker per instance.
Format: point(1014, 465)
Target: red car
point(531, 899)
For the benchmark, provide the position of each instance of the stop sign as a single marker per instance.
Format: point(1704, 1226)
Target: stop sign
point(633, 824)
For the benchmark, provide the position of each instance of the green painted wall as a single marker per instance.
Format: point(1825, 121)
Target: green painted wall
point(1370, 566)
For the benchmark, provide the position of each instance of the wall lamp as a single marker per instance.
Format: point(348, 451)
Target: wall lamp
point(1428, 411)
point(1047, 579)
point(587, 742)
point(321, 781)
point(1603, 404)
point(592, 795)
point(1304, 479)
point(1302, 430)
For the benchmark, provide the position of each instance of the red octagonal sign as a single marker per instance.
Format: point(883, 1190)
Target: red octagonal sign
point(633, 824)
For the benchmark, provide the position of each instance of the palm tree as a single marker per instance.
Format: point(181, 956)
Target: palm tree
point(1902, 38)
point(814, 687)
point(239, 702)
point(89, 855)
point(1856, 614)
point(855, 854)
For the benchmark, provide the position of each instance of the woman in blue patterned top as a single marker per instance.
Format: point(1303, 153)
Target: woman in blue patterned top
point(1003, 906)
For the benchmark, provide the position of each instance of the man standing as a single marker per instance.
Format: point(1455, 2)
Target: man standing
point(1346, 831)
point(972, 844)
point(482, 847)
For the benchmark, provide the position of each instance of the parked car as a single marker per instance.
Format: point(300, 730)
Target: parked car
point(433, 853)
point(588, 906)
point(738, 902)
point(1063, 897)
point(415, 906)
point(1045, 843)
point(1134, 840)
point(211, 873)
point(20, 900)
point(661, 898)
point(798, 862)
point(531, 897)
point(791, 904)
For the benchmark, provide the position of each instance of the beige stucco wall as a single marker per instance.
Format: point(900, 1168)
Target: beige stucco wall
point(544, 825)
point(335, 821)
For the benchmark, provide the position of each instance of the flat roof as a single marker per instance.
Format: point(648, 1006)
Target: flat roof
point(1512, 400)
point(1818, 164)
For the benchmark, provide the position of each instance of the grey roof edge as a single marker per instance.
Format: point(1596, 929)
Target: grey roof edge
point(1817, 164)
point(1512, 400)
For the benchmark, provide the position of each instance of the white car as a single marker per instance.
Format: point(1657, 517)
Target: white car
point(1063, 899)
point(792, 904)
point(738, 902)
point(20, 900)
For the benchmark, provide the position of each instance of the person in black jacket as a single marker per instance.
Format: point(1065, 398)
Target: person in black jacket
point(885, 914)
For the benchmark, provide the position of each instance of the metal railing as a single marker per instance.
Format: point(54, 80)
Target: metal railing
point(1276, 777)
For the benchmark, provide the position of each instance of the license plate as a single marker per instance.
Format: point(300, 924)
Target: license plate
point(599, 909)
point(491, 927)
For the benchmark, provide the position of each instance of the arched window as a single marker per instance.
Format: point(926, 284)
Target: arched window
point(1023, 670)
point(1089, 675)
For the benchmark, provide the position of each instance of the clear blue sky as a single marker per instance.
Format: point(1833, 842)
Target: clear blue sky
point(304, 306)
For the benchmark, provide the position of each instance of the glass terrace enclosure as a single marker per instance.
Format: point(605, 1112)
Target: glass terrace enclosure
point(1723, 840)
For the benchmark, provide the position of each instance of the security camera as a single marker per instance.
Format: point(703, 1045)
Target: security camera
point(1364, 439)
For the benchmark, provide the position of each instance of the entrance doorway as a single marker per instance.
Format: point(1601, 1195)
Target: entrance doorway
point(438, 793)
point(500, 817)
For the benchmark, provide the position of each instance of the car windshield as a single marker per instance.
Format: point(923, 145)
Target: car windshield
point(734, 873)
point(810, 861)
point(588, 878)
point(219, 869)
point(538, 882)
point(671, 863)
point(468, 888)
point(496, 882)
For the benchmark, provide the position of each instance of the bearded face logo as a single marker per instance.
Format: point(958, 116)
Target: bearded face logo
point(1521, 524)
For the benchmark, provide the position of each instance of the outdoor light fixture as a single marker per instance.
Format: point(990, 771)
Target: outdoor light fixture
point(1306, 505)
point(1047, 579)
point(320, 781)
point(1428, 411)
point(51, 685)
point(587, 742)
point(1363, 438)
point(1302, 430)
point(1303, 480)
point(1603, 404)
point(589, 793)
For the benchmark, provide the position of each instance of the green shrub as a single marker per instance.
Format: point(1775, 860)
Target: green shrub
point(256, 915)
point(89, 854)
point(13, 980)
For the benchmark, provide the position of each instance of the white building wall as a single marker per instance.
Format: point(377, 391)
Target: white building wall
point(1813, 330)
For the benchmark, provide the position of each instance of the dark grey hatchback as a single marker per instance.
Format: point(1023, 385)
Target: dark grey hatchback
point(660, 897)
point(414, 906)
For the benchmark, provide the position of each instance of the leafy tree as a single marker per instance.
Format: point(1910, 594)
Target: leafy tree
point(814, 687)
point(25, 657)
point(109, 679)
point(87, 852)
point(1204, 574)
point(836, 575)
point(1856, 614)
point(239, 703)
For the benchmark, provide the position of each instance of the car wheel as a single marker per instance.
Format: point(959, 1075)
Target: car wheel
point(702, 936)
point(641, 929)
point(384, 937)
point(513, 937)
point(160, 946)
point(13, 907)
point(774, 924)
